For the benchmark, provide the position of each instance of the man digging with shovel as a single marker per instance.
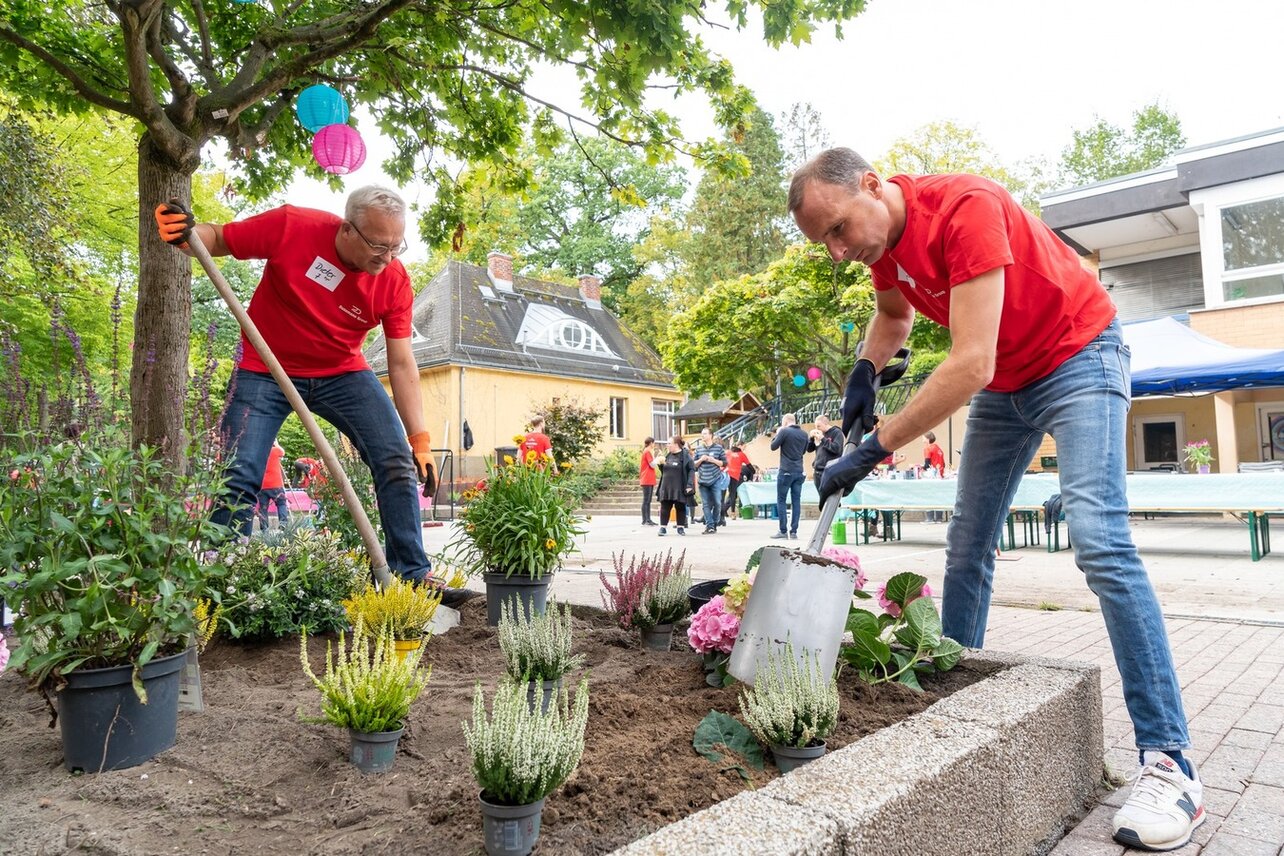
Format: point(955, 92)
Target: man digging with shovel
point(1036, 349)
point(327, 282)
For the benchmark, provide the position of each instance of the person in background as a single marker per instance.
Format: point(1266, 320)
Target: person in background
point(646, 478)
point(710, 459)
point(792, 443)
point(933, 462)
point(737, 461)
point(827, 441)
point(273, 489)
point(677, 485)
point(537, 444)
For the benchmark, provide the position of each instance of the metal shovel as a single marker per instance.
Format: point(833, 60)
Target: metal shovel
point(378, 561)
point(799, 596)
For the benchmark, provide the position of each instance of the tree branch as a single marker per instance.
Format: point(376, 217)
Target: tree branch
point(183, 100)
point(135, 22)
point(207, 54)
point(83, 89)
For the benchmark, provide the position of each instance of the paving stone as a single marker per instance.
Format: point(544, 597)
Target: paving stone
point(1263, 717)
point(1245, 737)
point(1268, 773)
point(1091, 837)
point(1226, 844)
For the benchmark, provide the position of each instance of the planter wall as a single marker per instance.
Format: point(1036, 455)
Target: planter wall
point(103, 724)
point(955, 779)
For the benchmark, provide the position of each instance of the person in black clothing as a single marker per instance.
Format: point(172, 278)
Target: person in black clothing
point(677, 485)
point(826, 440)
point(792, 443)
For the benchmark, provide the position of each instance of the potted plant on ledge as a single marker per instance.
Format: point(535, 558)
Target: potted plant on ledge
point(1199, 455)
point(537, 650)
point(98, 545)
point(521, 755)
point(517, 527)
point(790, 708)
point(369, 692)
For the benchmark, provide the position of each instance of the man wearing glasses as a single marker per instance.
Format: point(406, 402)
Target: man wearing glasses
point(327, 282)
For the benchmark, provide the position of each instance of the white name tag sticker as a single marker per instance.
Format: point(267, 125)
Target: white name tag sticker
point(325, 274)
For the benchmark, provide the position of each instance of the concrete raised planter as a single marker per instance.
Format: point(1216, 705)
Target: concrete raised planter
point(999, 768)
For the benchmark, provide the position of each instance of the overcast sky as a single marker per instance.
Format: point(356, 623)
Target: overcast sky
point(1023, 73)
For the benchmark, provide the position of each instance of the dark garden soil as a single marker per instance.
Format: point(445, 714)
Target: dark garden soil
point(247, 777)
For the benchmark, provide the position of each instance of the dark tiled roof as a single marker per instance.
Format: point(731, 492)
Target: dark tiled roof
point(704, 406)
point(455, 324)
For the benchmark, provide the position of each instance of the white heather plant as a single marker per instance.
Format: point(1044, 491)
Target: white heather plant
point(664, 601)
point(537, 648)
point(789, 705)
point(522, 755)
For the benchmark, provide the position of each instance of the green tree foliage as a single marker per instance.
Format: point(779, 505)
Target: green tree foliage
point(573, 427)
point(738, 224)
point(581, 208)
point(744, 333)
point(446, 81)
point(1103, 150)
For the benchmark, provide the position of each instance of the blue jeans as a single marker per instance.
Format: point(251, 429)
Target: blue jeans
point(1083, 404)
point(791, 485)
point(357, 405)
point(711, 499)
point(269, 496)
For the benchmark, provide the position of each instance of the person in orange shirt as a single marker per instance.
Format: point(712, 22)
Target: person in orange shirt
point(537, 442)
point(646, 478)
point(273, 489)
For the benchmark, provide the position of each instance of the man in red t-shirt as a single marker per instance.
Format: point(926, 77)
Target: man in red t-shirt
point(273, 489)
point(328, 281)
point(1036, 349)
point(536, 446)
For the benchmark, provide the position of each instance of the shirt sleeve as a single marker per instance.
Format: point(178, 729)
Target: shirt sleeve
point(976, 236)
point(256, 237)
point(396, 320)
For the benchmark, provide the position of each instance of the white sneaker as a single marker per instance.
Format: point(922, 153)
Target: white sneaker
point(1164, 808)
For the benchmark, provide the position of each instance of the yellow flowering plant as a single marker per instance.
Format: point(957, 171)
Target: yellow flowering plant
point(401, 606)
point(519, 521)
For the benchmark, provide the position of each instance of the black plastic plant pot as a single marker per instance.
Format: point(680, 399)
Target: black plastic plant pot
point(374, 752)
point(527, 595)
point(789, 758)
point(510, 830)
point(104, 725)
point(657, 638)
point(542, 693)
point(701, 593)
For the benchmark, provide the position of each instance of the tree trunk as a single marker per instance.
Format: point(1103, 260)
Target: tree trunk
point(163, 317)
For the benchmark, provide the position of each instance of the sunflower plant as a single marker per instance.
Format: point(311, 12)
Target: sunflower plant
point(518, 521)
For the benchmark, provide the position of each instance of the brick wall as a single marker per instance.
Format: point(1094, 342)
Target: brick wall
point(1260, 326)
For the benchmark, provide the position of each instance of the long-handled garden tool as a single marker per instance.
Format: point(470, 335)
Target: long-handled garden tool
point(378, 561)
point(799, 596)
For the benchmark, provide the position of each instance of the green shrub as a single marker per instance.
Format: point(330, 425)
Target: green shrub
point(369, 688)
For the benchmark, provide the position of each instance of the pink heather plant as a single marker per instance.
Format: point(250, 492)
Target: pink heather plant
point(891, 608)
point(643, 572)
point(713, 628)
point(847, 558)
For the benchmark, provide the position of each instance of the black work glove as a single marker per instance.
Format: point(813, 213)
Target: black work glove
point(858, 401)
point(174, 222)
point(843, 473)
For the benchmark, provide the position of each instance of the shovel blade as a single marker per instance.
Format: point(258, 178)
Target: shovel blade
point(797, 598)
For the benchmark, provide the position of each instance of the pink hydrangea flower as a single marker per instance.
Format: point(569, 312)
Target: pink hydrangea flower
point(713, 628)
point(847, 558)
point(891, 608)
point(4, 652)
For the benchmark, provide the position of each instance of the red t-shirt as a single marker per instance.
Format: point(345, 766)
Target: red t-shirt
point(537, 442)
point(646, 470)
point(735, 463)
point(960, 226)
point(935, 458)
point(273, 476)
point(314, 311)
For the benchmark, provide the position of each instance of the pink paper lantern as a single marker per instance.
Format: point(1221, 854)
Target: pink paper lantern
point(813, 373)
point(339, 149)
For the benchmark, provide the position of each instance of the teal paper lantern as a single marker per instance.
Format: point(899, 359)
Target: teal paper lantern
point(319, 106)
point(847, 326)
point(799, 380)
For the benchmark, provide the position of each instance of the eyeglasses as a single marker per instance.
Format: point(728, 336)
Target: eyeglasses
point(380, 249)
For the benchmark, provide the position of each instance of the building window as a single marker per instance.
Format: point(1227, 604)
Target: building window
point(662, 419)
point(617, 419)
point(1159, 440)
point(1253, 250)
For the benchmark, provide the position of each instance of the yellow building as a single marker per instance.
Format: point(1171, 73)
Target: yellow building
point(493, 348)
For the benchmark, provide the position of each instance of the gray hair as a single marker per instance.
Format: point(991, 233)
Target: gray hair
point(840, 166)
point(373, 196)
point(788, 419)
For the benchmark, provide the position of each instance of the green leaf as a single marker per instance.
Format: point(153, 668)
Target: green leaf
point(868, 650)
point(718, 732)
point(905, 586)
point(922, 623)
point(862, 621)
point(910, 679)
point(946, 654)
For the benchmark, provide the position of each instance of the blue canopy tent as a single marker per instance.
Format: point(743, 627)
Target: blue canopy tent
point(1169, 358)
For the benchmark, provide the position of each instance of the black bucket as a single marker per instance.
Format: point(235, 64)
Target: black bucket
point(528, 596)
point(104, 725)
point(701, 593)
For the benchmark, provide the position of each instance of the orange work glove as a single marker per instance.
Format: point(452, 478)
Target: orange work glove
point(421, 446)
point(174, 222)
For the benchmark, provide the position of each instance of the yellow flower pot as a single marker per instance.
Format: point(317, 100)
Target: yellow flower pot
point(407, 646)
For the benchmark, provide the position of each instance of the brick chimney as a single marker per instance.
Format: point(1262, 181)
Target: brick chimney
point(499, 266)
point(591, 290)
